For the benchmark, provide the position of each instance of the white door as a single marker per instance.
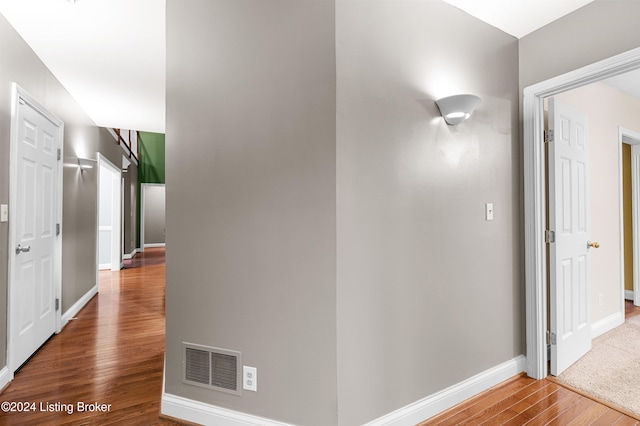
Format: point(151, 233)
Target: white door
point(33, 255)
point(569, 219)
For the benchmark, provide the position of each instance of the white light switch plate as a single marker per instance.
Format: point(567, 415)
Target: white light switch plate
point(488, 210)
point(4, 213)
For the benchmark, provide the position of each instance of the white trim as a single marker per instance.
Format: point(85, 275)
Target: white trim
point(73, 310)
point(607, 324)
point(131, 255)
point(18, 93)
point(155, 245)
point(628, 295)
point(104, 266)
point(5, 377)
point(535, 194)
point(207, 414)
point(417, 412)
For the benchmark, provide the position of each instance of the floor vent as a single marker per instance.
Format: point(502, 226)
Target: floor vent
point(212, 368)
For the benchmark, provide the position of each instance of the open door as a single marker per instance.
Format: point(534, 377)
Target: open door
point(569, 247)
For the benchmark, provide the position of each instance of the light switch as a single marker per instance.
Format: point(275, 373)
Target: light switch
point(4, 213)
point(488, 210)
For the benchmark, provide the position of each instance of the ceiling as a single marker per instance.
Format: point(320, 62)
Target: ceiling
point(110, 54)
point(518, 17)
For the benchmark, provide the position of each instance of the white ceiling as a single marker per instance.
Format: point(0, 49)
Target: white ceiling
point(518, 17)
point(628, 83)
point(110, 54)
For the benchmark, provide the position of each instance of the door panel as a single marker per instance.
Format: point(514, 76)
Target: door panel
point(33, 258)
point(569, 218)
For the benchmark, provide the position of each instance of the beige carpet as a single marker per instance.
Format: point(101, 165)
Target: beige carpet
point(611, 371)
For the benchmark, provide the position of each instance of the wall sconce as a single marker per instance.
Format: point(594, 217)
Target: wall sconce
point(85, 163)
point(455, 109)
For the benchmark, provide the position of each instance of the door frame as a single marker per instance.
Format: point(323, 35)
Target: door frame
point(116, 207)
point(630, 137)
point(18, 94)
point(535, 194)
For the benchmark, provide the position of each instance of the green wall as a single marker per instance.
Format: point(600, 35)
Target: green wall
point(151, 164)
point(151, 157)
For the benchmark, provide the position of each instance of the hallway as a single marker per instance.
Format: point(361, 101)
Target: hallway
point(112, 354)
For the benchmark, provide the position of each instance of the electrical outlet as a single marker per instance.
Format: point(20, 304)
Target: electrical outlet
point(250, 378)
point(4, 213)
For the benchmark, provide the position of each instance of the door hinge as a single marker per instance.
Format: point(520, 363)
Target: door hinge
point(57, 304)
point(59, 154)
point(553, 338)
point(548, 136)
point(549, 236)
point(57, 229)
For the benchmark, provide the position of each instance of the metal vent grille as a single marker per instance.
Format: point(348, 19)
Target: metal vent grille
point(212, 368)
point(224, 371)
point(197, 366)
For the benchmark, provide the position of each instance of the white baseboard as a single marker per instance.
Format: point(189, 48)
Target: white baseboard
point(428, 407)
point(154, 245)
point(207, 414)
point(628, 294)
point(606, 324)
point(199, 412)
point(73, 310)
point(5, 377)
point(131, 255)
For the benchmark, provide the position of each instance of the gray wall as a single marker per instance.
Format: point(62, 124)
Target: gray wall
point(154, 214)
point(251, 246)
point(254, 231)
point(597, 31)
point(81, 138)
point(429, 293)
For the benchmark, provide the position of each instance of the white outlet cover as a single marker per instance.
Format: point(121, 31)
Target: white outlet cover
point(250, 378)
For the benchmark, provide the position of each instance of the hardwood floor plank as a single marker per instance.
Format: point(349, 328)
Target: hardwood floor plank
point(627, 421)
point(608, 418)
point(583, 413)
point(523, 405)
point(492, 397)
point(491, 412)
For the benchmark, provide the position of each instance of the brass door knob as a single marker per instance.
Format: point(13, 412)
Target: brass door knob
point(593, 244)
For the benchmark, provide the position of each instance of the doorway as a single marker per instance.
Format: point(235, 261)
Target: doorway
point(152, 216)
point(536, 267)
point(109, 215)
point(629, 142)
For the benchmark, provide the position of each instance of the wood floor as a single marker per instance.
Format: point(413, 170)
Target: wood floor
point(113, 353)
point(630, 310)
point(523, 400)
